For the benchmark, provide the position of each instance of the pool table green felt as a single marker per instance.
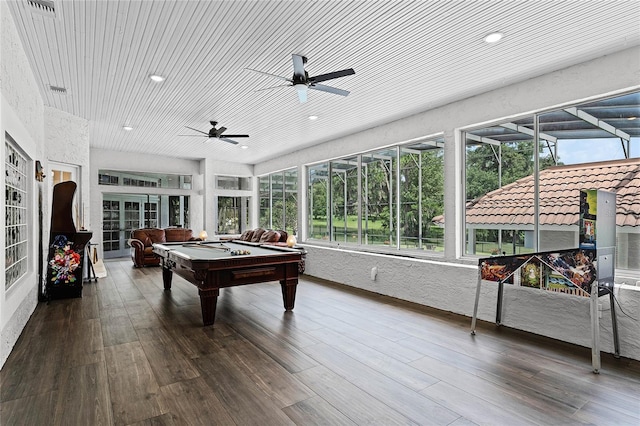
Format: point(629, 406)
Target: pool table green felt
point(211, 266)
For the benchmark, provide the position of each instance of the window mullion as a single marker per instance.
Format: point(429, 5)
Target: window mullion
point(330, 202)
point(397, 201)
point(359, 198)
point(536, 182)
point(420, 235)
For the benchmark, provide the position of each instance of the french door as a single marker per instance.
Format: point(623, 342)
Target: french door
point(122, 213)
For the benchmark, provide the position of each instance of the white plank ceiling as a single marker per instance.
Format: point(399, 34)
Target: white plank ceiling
point(409, 56)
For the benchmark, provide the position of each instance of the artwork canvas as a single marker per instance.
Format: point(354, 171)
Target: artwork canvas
point(565, 271)
point(588, 215)
point(531, 274)
point(501, 268)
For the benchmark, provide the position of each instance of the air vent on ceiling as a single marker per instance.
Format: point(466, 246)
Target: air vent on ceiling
point(45, 7)
point(58, 89)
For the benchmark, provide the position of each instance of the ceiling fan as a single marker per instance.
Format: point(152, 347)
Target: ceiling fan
point(217, 133)
point(301, 80)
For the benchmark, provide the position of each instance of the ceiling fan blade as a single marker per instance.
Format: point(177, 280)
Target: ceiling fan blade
point(199, 131)
point(228, 140)
point(329, 89)
point(221, 130)
point(298, 64)
point(234, 136)
point(331, 75)
point(272, 87)
point(270, 75)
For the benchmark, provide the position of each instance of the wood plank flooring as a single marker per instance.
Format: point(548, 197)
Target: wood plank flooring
point(127, 353)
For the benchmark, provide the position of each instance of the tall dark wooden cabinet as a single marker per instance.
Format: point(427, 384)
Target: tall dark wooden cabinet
point(65, 262)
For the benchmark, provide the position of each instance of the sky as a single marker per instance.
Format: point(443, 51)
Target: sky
point(592, 150)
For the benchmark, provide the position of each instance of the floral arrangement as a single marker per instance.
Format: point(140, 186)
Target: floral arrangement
point(64, 262)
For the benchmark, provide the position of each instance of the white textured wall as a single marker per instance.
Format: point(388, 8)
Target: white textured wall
point(633, 261)
point(428, 282)
point(67, 141)
point(452, 287)
point(21, 115)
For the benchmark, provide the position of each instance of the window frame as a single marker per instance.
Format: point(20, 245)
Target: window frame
point(273, 190)
point(18, 213)
point(361, 209)
point(539, 139)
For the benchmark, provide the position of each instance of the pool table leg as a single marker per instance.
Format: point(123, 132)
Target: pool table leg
point(208, 302)
point(289, 293)
point(167, 275)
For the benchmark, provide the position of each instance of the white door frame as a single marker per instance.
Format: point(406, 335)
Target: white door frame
point(68, 172)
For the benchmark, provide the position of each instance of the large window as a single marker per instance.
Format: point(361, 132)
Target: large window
point(391, 197)
point(344, 189)
point(233, 183)
point(144, 179)
point(277, 202)
point(523, 192)
point(497, 156)
point(318, 228)
point(278, 194)
point(264, 196)
point(378, 196)
point(232, 214)
point(291, 201)
point(16, 196)
point(421, 184)
point(179, 210)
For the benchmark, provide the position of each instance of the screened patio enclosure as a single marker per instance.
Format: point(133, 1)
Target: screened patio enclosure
point(510, 206)
point(380, 198)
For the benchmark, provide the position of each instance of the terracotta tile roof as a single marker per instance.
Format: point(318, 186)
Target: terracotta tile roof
point(559, 195)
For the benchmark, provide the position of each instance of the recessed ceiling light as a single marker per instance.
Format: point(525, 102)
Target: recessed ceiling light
point(313, 117)
point(127, 128)
point(244, 147)
point(632, 118)
point(493, 37)
point(157, 78)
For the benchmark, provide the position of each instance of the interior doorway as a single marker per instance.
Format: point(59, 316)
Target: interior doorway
point(63, 172)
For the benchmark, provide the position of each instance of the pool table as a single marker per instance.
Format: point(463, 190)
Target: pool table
point(211, 266)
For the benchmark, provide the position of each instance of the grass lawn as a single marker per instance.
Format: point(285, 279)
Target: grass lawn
point(352, 223)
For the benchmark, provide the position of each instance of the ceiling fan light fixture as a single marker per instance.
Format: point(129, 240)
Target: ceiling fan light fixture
point(301, 81)
point(494, 37)
point(301, 88)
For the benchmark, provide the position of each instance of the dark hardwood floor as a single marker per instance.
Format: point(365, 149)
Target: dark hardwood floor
point(129, 353)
